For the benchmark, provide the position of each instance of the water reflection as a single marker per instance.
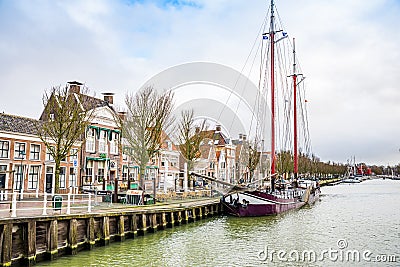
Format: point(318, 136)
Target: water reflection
point(363, 216)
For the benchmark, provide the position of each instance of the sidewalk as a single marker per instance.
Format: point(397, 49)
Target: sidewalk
point(35, 209)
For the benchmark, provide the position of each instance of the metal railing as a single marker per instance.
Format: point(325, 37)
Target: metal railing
point(17, 204)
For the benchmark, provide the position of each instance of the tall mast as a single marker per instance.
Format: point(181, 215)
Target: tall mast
point(272, 40)
point(296, 157)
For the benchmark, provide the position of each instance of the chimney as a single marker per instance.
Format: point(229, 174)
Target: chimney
point(244, 137)
point(122, 115)
point(75, 87)
point(218, 128)
point(109, 98)
point(197, 131)
point(240, 137)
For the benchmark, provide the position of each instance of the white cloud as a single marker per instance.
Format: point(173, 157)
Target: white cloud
point(348, 50)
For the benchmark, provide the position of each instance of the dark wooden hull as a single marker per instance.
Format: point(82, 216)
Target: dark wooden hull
point(259, 203)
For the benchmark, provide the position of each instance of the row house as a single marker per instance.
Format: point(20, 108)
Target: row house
point(168, 163)
point(25, 164)
point(219, 151)
point(208, 161)
point(162, 171)
point(101, 159)
point(242, 155)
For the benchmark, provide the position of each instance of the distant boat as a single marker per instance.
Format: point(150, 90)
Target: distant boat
point(352, 180)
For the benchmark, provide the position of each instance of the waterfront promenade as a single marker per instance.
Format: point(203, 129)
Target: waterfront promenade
point(34, 234)
point(35, 208)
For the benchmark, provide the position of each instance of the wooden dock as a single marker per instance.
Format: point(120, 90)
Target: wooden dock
point(30, 239)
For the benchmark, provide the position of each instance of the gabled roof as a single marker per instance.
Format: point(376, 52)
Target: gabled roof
point(219, 138)
point(84, 101)
point(17, 124)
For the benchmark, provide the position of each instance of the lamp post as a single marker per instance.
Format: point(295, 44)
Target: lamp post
point(21, 154)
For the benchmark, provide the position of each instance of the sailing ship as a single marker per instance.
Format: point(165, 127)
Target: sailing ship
point(244, 200)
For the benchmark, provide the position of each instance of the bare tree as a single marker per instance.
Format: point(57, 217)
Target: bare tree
point(63, 123)
point(249, 158)
point(148, 115)
point(253, 158)
point(190, 136)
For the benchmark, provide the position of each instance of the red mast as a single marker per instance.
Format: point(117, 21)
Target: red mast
point(272, 40)
point(296, 157)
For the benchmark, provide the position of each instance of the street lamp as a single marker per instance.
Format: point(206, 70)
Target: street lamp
point(21, 154)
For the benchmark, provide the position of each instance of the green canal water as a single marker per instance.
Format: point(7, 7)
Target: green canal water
point(356, 224)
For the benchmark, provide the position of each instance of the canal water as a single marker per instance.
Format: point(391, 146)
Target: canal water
point(351, 224)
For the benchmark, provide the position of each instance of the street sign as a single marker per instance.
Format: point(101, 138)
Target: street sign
point(75, 163)
point(103, 193)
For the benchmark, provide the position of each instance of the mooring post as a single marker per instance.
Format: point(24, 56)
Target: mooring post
point(30, 258)
point(6, 244)
point(52, 240)
point(73, 236)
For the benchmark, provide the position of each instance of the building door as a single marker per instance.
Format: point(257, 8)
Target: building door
point(49, 179)
point(3, 169)
point(2, 180)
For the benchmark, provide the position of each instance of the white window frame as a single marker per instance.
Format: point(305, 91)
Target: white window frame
point(103, 142)
point(33, 177)
point(114, 143)
point(17, 150)
point(100, 176)
point(90, 140)
point(18, 176)
point(3, 150)
point(49, 157)
point(33, 152)
point(72, 177)
point(73, 154)
point(62, 180)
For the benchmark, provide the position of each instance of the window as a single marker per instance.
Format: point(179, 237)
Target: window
point(35, 152)
point(33, 177)
point(124, 172)
point(89, 172)
point(3, 169)
point(4, 147)
point(169, 144)
point(62, 177)
point(90, 140)
point(100, 171)
point(18, 176)
point(72, 177)
point(103, 142)
point(19, 151)
point(73, 154)
point(49, 156)
point(114, 143)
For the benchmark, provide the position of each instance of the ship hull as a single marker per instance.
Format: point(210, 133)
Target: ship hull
point(258, 203)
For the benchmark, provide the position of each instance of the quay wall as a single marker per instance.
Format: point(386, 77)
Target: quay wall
point(26, 241)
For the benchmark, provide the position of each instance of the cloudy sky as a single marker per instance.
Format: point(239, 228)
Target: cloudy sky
point(349, 51)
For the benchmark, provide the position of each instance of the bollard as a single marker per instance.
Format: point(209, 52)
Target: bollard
point(89, 209)
point(44, 204)
point(14, 205)
point(69, 203)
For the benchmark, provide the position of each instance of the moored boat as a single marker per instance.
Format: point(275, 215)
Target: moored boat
point(278, 197)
